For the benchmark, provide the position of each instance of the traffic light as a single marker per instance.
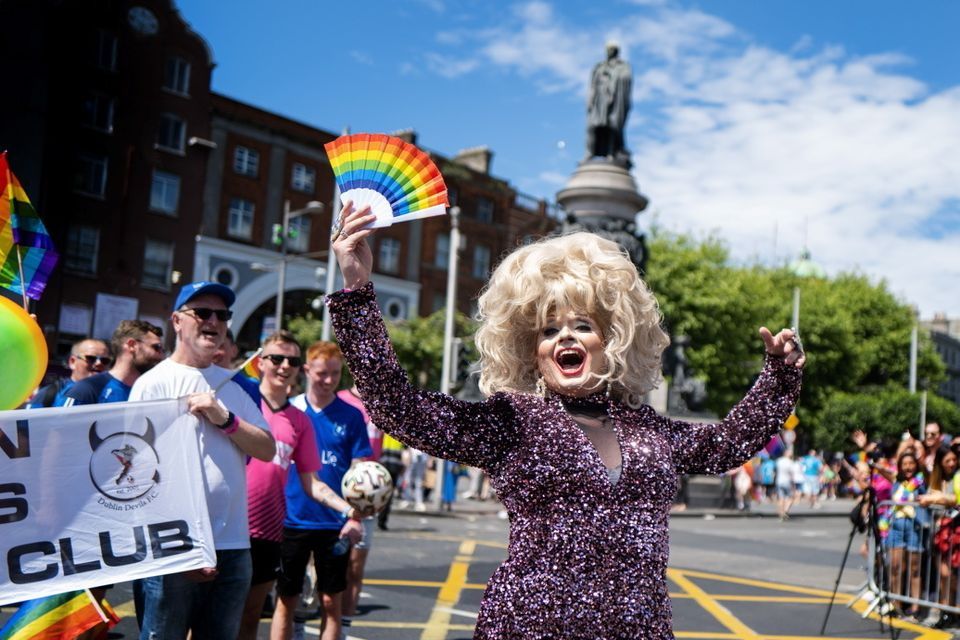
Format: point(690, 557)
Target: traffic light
point(462, 362)
point(277, 236)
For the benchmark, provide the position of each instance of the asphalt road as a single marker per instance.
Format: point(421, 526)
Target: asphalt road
point(746, 578)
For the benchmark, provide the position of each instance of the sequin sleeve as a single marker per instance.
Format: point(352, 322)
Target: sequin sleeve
point(477, 434)
point(715, 448)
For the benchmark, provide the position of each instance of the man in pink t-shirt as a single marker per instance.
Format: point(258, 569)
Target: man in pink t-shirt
point(296, 443)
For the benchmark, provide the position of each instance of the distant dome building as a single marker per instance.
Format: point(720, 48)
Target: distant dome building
point(805, 267)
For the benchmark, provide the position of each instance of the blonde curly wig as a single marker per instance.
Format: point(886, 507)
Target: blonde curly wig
point(589, 274)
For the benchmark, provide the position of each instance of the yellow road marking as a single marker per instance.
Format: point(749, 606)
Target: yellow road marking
point(712, 607)
point(439, 623)
point(441, 538)
point(405, 625)
point(841, 599)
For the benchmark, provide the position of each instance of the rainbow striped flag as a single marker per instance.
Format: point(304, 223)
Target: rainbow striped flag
point(25, 245)
point(60, 617)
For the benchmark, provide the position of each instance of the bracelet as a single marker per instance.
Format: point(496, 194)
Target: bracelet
point(349, 513)
point(231, 424)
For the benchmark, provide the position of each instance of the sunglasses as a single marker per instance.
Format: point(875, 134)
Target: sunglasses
point(156, 346)
point(204, 313)
point(277, 359)
point(92, 360)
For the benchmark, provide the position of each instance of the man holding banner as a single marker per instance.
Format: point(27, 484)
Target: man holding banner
point(208, 601)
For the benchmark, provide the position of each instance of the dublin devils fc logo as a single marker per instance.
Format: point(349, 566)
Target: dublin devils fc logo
point(124, 466)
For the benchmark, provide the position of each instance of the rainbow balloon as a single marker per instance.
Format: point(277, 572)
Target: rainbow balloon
point(23, 355)
point(399, 181)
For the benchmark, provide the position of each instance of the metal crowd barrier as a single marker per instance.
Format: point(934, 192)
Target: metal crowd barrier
point(917, 562)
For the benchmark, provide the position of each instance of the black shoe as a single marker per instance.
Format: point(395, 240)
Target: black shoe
point(946, 621)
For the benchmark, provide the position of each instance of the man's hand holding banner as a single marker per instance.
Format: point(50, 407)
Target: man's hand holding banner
point(98, 494)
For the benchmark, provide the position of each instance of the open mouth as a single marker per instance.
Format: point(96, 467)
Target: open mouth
point(570, 361)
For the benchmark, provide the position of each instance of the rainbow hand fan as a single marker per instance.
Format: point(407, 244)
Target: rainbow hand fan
point(399, 181)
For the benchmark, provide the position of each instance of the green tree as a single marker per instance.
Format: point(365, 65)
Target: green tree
point(718, 307)
point(419, 345)
point(307, 329)
point(884, 414)
point(857, 334)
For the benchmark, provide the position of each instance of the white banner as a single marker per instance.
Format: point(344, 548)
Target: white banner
point(97, 494)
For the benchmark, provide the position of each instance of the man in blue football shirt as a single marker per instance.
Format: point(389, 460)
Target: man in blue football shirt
point(309, 527)
point(138, 346)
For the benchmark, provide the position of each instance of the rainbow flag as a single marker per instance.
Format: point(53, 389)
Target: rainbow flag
point(25, 245)
point(60, 617)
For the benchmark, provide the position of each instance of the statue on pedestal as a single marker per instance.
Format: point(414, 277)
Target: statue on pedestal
point(607, 107)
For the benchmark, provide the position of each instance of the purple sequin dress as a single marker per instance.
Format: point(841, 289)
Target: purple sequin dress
point(586, 559)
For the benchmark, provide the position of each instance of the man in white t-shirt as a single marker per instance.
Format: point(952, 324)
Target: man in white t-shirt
point(208, 602)
point(785, 486)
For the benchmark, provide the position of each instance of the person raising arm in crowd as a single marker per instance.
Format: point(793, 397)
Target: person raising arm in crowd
point(570, 341)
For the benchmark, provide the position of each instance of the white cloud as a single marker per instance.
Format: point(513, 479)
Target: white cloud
point(850, 152)
point(361, 57)
point(448, 66)
point(861, 157)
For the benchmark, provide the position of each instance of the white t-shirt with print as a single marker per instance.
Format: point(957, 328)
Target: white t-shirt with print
point(224, 464)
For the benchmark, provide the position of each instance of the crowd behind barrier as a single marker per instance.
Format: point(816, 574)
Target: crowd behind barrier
point(914, 567)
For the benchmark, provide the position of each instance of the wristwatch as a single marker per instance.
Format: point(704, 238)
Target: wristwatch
point(349, 513)
point(230, 422)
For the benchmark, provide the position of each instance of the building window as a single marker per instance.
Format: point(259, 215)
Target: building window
point(298, 238)
point(97, 112)
point(246, 161)
point(484, 210)
point(157, 264)
point(176, 76)
point(165, 192)
point(452, 195)
point(303, 178)
point(240, 219)
point(172, 132)
point(481, 261)
point(106, 50)
point(91, 176)
point(439, 302)
point(442, 259)
point(389, 256)
point(83, 246)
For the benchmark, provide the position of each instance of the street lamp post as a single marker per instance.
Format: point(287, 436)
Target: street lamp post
point(447, 362)
point(312, 207)
point(447, 366)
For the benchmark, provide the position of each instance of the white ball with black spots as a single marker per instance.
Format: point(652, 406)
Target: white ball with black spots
point(367, 484)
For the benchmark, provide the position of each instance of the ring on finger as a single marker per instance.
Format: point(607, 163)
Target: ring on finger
point(797, 344)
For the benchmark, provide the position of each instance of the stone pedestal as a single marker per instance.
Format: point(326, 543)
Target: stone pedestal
point(600, 188)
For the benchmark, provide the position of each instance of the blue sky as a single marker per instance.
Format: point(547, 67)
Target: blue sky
point(767, 122)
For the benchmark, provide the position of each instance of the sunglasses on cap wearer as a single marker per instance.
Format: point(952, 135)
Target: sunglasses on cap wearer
point(92, 360)
point(205, 313)
point(277, 359)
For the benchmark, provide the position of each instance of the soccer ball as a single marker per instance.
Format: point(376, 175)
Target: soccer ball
point(367, 484)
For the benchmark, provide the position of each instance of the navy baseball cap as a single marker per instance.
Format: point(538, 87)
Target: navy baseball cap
point(194, 289)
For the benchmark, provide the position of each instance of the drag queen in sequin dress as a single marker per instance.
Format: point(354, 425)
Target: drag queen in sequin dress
point(570, 340)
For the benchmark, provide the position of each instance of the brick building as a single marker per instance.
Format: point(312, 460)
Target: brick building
point(110, 141)
point(146, 179)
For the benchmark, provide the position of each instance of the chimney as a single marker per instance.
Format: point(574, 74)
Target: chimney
point(476, 158)
point(940, 323)
point(407, 135)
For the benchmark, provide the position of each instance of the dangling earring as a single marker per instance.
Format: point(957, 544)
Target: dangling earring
point(609, 388)
point(541, 386)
